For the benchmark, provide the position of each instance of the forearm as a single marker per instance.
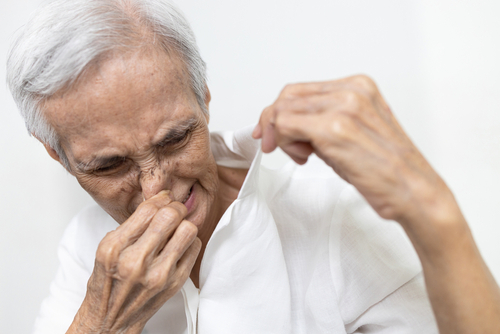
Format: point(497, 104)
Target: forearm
point(348, 124)
point(463, 293)
point(80, 326)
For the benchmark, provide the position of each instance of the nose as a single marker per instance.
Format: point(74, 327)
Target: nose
point(152, 181)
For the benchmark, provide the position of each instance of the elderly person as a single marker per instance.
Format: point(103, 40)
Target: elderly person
point(192, 234)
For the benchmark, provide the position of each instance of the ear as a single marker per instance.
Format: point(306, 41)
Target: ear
point(208, 97)
point(53, 154)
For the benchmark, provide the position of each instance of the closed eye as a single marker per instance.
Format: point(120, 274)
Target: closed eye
point(175, 139)
point(109, 168)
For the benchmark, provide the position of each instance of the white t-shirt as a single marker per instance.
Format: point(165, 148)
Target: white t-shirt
point(299, 251)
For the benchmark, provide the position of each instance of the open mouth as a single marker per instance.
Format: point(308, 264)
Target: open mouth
point(187, 196)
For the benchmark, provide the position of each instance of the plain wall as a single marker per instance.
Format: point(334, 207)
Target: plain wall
point(436, 62)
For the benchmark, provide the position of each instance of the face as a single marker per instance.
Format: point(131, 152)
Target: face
point(131, 127)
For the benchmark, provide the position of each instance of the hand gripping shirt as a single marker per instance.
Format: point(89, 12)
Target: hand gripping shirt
point(299, 251)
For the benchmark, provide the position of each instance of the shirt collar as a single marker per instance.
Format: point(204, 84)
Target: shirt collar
point(237, 149)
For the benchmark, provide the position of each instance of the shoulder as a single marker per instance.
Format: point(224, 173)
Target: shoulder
point(92, 222)
point(76, 255)
point(84, 233)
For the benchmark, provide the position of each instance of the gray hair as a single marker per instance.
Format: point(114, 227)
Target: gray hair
point(66, 37)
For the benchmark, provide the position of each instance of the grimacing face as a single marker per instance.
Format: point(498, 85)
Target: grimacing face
point(132, 127)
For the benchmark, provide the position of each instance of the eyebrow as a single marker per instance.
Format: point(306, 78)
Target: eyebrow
point(176, 133)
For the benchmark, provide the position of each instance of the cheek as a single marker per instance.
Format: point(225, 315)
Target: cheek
point(197, 162)
point(116, 195)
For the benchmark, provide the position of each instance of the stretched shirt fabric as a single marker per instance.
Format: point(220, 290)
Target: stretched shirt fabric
point(299, 251)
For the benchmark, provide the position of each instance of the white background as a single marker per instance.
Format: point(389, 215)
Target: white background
point(436, 63)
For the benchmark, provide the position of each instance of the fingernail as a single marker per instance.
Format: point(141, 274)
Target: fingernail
point(166, 192)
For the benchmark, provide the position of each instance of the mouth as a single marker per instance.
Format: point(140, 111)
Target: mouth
point(190, 199)
point(188, 195)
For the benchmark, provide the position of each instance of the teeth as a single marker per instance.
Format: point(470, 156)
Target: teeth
point(187, 196)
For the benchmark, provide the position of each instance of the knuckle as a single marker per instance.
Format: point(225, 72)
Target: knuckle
point(169, 214)
point(288, 90)
point(343, 127)
point(366, 83)
point(283, 127)
point(131, 268)
point(181, 208)
point(108, 249)
point(280, 123)
point(280, 107)
point(312, 104)
point(188, 229)
point(351, 100)
point(156, 280)
point(293, 89)
point(267, 112)
point(356, 102)
point(267, 115)
point(147, 208)
point(177, 283)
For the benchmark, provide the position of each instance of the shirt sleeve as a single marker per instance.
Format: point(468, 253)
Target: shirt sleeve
point(76, 254)
point(405, 311)
point(376, 272)
point(67, 290)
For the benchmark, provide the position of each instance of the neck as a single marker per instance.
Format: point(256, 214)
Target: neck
point(230, 182)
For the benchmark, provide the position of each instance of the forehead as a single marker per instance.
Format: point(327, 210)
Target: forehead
point(126, 94)
point(116, 87)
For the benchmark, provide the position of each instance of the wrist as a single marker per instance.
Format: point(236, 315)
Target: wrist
point(88, 320)
point(87, 323)
point(434, 222)
point(78, 326)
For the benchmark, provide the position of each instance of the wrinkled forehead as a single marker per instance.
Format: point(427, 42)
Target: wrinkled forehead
point(117, 88)
point(125, 100)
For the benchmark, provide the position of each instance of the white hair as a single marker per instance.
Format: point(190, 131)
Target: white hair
point(66, 37)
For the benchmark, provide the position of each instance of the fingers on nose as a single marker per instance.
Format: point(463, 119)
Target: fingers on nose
point(153, 182)
point(160, 230)
point(166, 229)
point(132, 229)
point(184, 235)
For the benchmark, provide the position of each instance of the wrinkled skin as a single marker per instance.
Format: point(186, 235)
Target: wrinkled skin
point(112, 126)
point(138, 143)
point(348, 124)
point(168, 194)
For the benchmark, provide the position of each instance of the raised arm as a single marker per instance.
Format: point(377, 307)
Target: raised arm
point(349, 125)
